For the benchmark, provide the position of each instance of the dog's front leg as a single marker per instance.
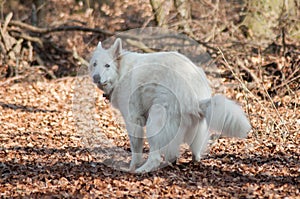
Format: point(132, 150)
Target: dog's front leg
point(136, 146)
point(136, 136)
point(156, 135)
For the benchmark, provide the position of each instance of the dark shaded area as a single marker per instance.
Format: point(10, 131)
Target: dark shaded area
point(25, 108)
point(14, 172)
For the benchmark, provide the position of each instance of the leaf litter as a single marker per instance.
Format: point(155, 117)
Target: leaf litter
point(58, 141)
point(43, 153)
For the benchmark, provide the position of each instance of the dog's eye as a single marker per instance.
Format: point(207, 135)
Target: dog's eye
point(95, 64)
point(106, 65)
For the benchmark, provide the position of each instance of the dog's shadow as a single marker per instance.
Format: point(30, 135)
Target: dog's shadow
point(52, 164)
point(12, 171)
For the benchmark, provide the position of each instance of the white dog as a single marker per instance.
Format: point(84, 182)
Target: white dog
point(168, 94)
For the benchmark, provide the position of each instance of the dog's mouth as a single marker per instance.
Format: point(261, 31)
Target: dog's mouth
point(105, 88)
point(104, 84)
point(101, 86)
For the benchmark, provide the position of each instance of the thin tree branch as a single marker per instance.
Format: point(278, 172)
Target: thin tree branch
point(58, 29)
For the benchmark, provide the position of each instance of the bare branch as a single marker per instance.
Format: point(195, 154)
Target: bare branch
point(58, 29)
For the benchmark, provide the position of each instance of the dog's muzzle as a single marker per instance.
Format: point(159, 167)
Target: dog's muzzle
point(96, 79)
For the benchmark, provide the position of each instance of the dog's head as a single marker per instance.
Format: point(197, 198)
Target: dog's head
point(104, 66)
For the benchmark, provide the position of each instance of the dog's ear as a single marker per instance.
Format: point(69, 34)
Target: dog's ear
point(99, 46)
point(116, 49)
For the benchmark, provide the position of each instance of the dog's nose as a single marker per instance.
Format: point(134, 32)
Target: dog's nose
point(96, 78)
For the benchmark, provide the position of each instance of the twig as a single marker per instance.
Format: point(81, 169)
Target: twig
point(29, 38)
point(80, 59)
point(285, 83)
point(246, 89)
point(3, 83)
point(165, 36)
point(283, 39)
point(145, 24)
point(58, 29)
point(7, 20)
point(140, 45)
point(255, 78)
point(49, 72)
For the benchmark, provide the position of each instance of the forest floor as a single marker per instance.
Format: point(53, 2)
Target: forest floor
point(52, 148)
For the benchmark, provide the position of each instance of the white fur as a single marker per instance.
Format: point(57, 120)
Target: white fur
point(169, 95)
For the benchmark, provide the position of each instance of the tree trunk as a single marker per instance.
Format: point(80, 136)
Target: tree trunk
point(161, 10)
point(184, 9)
point(267, 20)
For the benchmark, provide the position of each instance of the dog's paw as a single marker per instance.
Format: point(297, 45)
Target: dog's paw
point(151, 164)
point(136, 161)
point(131, 169)
point(196, 158)
point(144, 169)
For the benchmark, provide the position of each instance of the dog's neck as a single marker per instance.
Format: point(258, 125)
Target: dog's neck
point(122, 69)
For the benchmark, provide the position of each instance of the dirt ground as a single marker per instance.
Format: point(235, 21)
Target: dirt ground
point(48, 150)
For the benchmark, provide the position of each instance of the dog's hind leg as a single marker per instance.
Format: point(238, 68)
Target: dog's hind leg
point(162, 129)
point(200, 140)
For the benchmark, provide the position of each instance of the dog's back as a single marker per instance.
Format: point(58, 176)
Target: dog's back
point(154, 73)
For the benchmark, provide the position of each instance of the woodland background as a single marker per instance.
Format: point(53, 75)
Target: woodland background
point(43, 44)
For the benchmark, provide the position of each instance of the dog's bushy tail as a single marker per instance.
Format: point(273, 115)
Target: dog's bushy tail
point(224, 115)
